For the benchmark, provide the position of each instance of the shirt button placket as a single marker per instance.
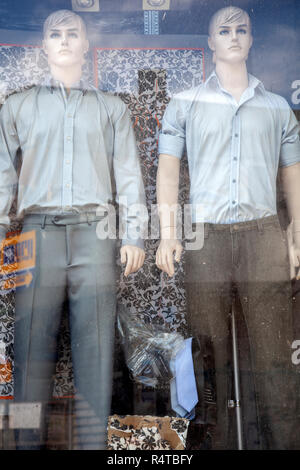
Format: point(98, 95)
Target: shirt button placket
point(68, 155)
point(234, 166)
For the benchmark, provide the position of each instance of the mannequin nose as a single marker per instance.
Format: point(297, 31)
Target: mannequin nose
point(64, 39)
point(234, 36)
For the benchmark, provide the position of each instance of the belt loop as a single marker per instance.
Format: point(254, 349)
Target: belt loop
point(43, 222)
point(260, 226)
point(89, 221)
point(206, 230)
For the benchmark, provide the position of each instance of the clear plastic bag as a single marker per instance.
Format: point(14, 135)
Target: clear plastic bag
point(148, 348)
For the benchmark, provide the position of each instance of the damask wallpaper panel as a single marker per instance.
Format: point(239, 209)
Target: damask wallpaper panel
point(146, 79)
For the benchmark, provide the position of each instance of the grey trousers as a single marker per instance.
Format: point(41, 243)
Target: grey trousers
point(252, 259)
point(71, 262)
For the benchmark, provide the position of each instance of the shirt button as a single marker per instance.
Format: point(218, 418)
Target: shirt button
point(235, 159)
point(235, 227)
point(67, 185)
point(68, 162)
point(68, 138)
point(234, 181)
point(236, 135)
point(233, 202)
point(69, 115)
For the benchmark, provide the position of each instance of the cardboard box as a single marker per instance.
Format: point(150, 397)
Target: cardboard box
point(146, 433)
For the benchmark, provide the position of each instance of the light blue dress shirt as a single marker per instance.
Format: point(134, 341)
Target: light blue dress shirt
point(234, 149)
point(74, 153)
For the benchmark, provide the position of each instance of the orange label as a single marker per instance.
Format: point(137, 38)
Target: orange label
point(5, 372)
point(18, 253)
point(18, 280)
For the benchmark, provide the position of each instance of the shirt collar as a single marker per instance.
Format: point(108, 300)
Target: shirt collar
point(49, 82)
point(213, 81)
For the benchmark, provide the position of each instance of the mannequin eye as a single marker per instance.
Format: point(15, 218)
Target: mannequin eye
point(242, 31)
point(73, 35)
point(54, 35)
point(223, 32)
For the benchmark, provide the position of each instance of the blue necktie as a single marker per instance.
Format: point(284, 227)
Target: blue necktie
point(184, 396)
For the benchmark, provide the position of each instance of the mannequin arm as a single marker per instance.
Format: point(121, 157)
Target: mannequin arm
point(167, 198)
point(290, 177)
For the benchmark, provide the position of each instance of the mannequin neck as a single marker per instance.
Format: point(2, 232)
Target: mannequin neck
point(233, 78)
point(68, 76)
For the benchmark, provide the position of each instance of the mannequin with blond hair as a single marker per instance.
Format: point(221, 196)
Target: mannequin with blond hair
point(77, 145)
point(238, 138)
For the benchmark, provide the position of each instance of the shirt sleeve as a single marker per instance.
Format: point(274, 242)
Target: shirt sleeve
point(129, 182)
point(9, 144)
point(290, 141)
point(172, 135)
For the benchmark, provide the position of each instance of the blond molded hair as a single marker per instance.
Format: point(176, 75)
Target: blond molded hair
point(62, 17)
point(228, 15)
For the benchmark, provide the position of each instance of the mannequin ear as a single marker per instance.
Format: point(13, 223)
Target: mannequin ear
point(44, 47)
point(211, 44)
point(87, 46)
point(251, 41)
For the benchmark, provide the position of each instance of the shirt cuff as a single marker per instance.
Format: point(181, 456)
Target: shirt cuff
point(170, 145)
point(289, 160)
point(139, 242)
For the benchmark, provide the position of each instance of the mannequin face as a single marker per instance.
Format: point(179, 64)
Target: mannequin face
point(231, 42)
point(66, 44)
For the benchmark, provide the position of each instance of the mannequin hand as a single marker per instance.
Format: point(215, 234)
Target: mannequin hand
point(134, 258)
point(295, 256)
point(164, 255)
point(294, 252)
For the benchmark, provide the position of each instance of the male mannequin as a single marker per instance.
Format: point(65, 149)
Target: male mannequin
point(75, 141)
point(237, 135)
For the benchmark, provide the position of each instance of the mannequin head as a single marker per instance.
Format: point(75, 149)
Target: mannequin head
point(230, 36)
point(65, 41)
